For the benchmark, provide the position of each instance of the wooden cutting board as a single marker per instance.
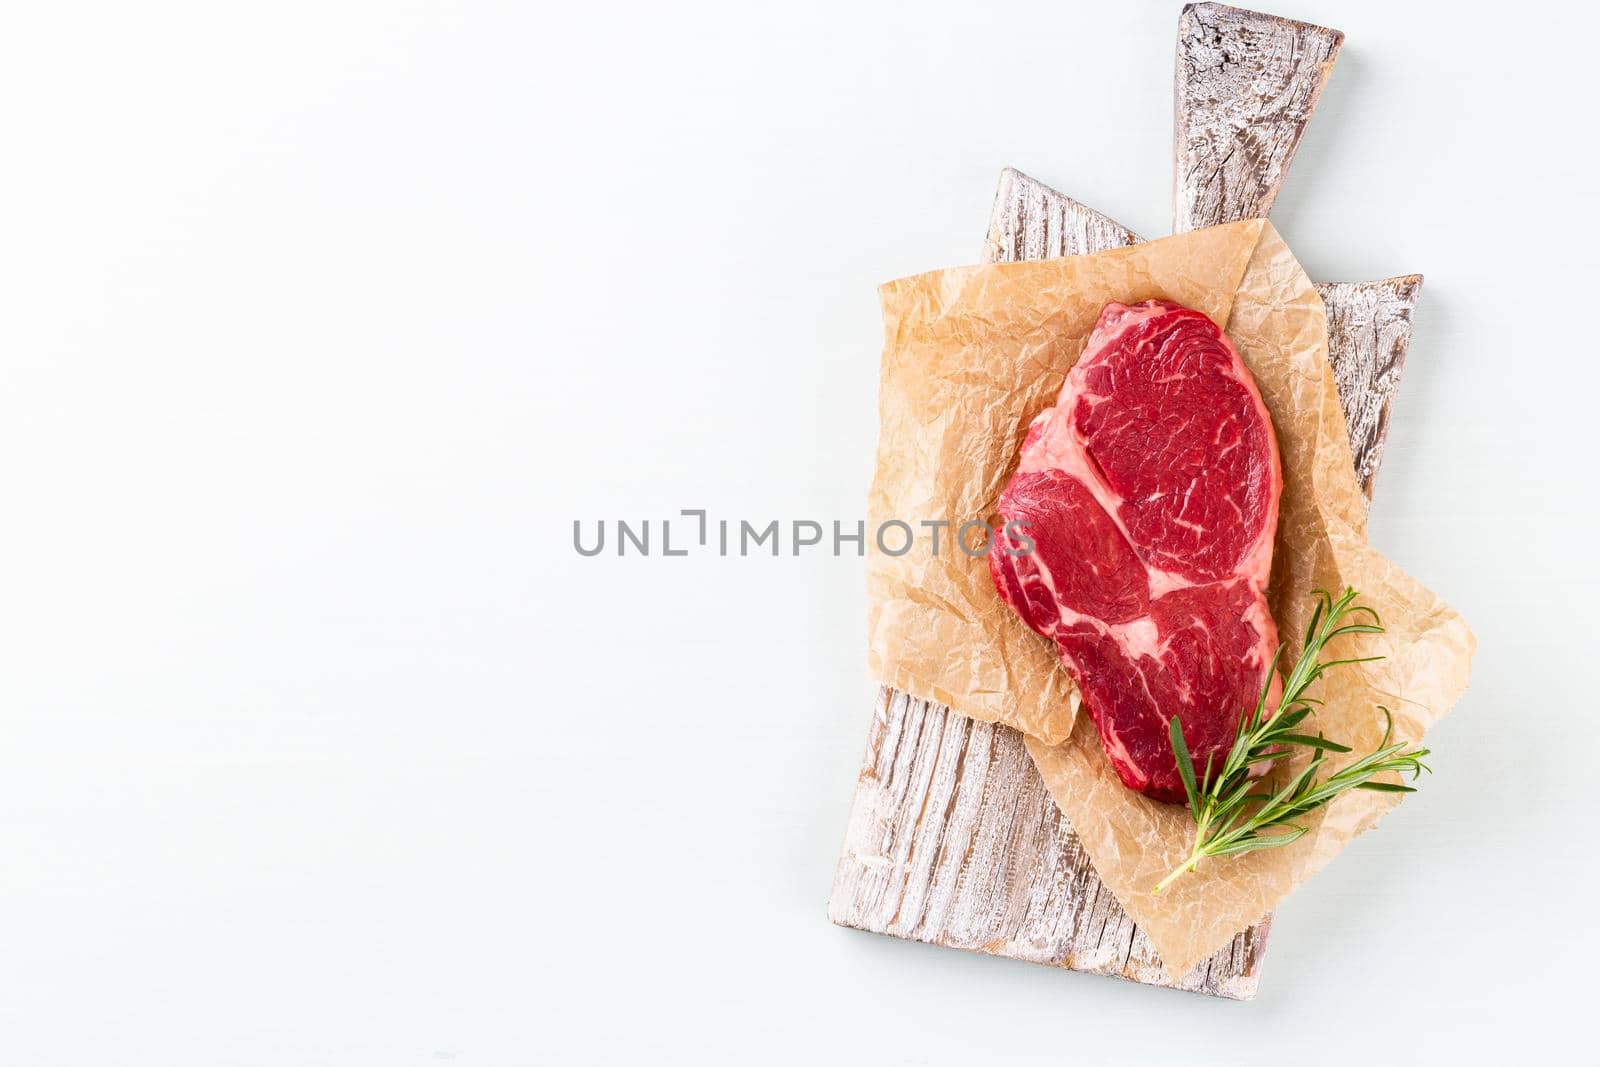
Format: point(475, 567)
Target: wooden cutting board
point(953, 839)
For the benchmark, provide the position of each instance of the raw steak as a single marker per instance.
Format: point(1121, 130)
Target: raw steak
point(1150, 494)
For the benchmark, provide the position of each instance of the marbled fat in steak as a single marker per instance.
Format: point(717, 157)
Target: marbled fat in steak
point(1150, 493)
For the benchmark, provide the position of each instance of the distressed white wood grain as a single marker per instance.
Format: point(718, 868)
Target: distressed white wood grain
point(1369, 330)
point(954, 840)
point(1030, 220)
point(1246, 86)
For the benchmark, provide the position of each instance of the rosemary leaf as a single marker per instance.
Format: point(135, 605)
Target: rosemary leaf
point(1233, 812)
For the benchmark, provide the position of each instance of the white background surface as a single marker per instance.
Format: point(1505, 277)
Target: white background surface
point(321, 323)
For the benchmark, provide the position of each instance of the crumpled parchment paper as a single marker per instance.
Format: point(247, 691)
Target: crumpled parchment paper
point(971, 356)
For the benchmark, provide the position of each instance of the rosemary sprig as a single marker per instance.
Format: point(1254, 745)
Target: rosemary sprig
point(1231, 815)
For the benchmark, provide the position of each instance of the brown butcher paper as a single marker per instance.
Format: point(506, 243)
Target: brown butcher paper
point(971, 356)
